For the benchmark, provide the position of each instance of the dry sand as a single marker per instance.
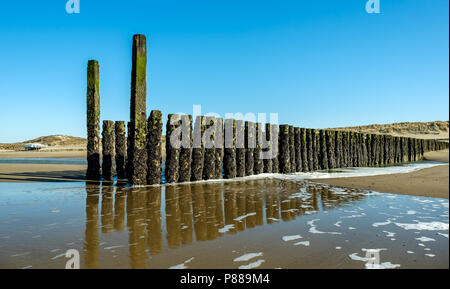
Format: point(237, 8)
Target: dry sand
point(430, 182)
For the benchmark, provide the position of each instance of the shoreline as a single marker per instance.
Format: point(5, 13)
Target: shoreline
point(429, 182)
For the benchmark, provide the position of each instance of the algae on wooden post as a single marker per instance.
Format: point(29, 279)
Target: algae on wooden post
point(315, 142)
point(323, 156)
point(186, 149)
point(198, 149)
point(154, 147)
point(93, 121)
point(121, 149)
point(292, 149)
point(309, 146)
point(209, 169)
point(173, 144)
point(240, 148)
point(304, 150)
point(219, 148)
point(138, 114)
point(250, 144)
point(229, 160)
point(285, 155)
point(268, 160)
point(275, 146)
point(298, 150)
point(258, 166)
point(108, 147)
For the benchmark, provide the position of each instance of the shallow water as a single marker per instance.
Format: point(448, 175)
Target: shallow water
point(44, 161)
point(261, 223)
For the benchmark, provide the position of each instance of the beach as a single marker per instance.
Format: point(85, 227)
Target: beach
point(429, 182)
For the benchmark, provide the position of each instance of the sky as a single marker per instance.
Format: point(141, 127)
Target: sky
point(317, 64)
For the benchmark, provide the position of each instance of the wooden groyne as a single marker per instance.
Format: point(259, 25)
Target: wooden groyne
point(209, 147)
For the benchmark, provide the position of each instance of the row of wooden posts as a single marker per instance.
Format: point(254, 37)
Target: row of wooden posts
point(138, 153)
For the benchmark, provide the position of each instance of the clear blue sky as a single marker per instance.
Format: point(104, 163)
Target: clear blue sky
point(317, 63)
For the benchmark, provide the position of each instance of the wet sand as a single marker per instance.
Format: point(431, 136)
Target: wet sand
point(43, 154)
point(41, 173)
point(252, 224)
point(430, 182)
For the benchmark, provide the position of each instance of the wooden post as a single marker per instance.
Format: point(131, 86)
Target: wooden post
point(186, 149)
point(93, 121)
point(154, 147)
point(138, 114)
point(284, 156)
point(258, 165)
point(240, 148)
point(173, 146)
point(310, 146)
point(298, 149)
point(275, 146)
point(229, 161)
point(121, 149)
point(108, 146)
point(323, 156)
point(304, 150)
point(250, 143)
point(209, 166)
point(219, 148)
point(198, 149)
point(268, 165)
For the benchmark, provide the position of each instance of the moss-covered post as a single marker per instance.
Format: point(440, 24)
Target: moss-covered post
point(309, 146)
point(316, 148)
point(285, 156)
point(323, 157)
point(154, 147)
point(250, 144)
point(121, 149)
point(173, 147)
point(198, 149)
point(298, 149)
point(209, 165)
point(331, 149)
point(303, 150)
point(240, 148)
point(93, 121)
point(219, 148)
point(186, 149)
point(275, 146)
point(258, 165)
point(268, 167)
point(138, 112)
point(229, 159)
point(108, 146)
point(292, 148)
point(129, 149)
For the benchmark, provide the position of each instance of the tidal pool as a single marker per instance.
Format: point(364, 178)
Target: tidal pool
point(264, 223)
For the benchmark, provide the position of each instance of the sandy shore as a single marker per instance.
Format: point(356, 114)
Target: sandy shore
point(43, 154)
point(430, 182)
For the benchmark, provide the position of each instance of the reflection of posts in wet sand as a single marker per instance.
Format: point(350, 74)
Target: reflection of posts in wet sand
point(230, 204)
point(241, 209)
point(272, 206)
point(91, 234)
point(210, 201)
point(173, 221)
point(107, 208)
point(250, 210)
point(219, 207)
point(199, 211)
point(185, 196)
point(136, 223)
point(119, 208)
point(154, 240)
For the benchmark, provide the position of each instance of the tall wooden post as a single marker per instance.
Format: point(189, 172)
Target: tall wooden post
point(173, 147)
point(240, 148)
point(138, 114)
point(284, 156)
point(198, 149)
point(229, 161)
point(93, 121)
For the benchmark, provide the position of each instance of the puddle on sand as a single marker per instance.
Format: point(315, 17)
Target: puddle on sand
point(265, 223)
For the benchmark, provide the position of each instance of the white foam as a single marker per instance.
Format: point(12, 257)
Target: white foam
point(247, 257)
point(182, 265)
point(313, 228)
point(425, 239)
point(226, 228)
point(426, 226)
point(430, 255)
point(252, 265)
point(290, 238)
point(304, 243)
point(113, 247)
point(385, 265)
point(445, 235)
point(244, 216)
point(389, 234)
